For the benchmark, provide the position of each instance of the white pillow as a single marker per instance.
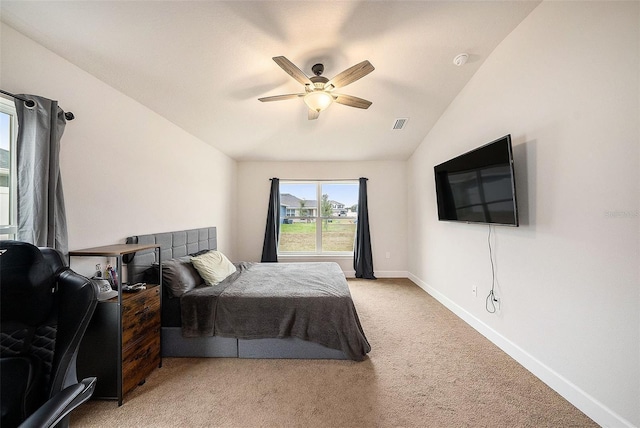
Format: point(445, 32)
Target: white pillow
point(213, 267)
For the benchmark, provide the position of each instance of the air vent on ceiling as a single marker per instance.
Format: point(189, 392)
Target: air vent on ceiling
point(400, 123)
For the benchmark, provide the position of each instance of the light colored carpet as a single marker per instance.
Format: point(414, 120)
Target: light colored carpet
point(427, 368)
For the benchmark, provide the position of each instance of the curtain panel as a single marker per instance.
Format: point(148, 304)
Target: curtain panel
point(363, 257)
point(272, 229)
point(41, 212)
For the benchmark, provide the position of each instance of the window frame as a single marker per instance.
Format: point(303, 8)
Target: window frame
point(318, 219)
point(9, 231)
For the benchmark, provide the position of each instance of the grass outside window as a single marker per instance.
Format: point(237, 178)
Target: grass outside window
point(300, 236)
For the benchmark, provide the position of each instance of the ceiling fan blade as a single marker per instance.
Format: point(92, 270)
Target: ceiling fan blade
point(281, 97)
point(313, 115)
point(351, 101)
point(350, 75)
point(292, 70)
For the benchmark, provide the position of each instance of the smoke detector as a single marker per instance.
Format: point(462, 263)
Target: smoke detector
point(461, 59)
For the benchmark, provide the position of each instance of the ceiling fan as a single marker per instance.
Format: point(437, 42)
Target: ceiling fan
point(318, 90)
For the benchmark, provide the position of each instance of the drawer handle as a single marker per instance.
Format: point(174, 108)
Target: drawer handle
point(145, 310)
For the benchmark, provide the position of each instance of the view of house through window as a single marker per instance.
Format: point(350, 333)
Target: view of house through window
point(8, 129)
point(318, 216)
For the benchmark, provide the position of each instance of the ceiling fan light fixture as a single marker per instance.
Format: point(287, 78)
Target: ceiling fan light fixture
point(318, 100)
point(318, 90)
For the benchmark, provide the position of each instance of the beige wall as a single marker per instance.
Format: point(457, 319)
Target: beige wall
point(125, 169)
point(387, 197)
point(564, 84)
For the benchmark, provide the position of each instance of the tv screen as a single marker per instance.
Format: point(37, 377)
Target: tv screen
point(479, 186)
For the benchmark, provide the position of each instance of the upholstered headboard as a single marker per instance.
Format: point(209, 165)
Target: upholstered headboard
point(172, 245)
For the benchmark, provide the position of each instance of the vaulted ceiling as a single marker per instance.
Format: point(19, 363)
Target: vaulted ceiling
point(203, 65)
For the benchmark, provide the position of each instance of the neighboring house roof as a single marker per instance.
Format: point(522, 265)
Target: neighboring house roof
point(291, 201)
point(288, 200)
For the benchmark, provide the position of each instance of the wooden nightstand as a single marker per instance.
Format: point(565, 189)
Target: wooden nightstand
point(140, 336)
point(122, 345)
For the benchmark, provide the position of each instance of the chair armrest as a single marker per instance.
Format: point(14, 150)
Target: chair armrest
point(61, 404)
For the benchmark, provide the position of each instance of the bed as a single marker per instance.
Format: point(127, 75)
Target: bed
point(262, 310)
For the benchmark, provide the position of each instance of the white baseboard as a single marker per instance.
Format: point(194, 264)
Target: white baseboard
point(591, 407)
point(392, 274)
point(381, 274)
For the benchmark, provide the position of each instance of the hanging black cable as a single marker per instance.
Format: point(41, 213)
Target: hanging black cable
point(31, 104)
point(490, 303)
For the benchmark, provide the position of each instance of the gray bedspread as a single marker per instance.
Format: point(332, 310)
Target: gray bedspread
point(310, 301)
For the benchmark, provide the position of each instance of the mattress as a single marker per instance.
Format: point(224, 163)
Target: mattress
point(308, 301)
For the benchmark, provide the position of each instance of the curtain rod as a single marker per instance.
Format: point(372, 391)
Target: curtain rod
point(31, 104)
point(319, 179)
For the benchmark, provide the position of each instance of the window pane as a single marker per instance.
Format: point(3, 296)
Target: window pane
point(317, 217)
point(298, 235)
point(5, 169)
point(339, 201)
point(298, 208)
point(338, 234)
point(298, 200)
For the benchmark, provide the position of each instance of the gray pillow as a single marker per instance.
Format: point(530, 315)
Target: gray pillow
point(179, 276)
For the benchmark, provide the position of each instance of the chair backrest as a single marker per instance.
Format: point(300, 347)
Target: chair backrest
point(45, 310)
point(27, 284)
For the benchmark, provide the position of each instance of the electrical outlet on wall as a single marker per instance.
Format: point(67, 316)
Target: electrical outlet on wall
point(388, 255)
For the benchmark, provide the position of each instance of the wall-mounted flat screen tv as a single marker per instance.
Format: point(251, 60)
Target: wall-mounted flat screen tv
point(479, 186)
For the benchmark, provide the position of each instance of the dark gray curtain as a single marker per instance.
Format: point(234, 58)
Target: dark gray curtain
point(362, 257)
point(272, 230)
point(41, 214)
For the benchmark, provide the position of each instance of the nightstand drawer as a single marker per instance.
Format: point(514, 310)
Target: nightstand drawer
point(132, 303)
point(139, 360)
point(140, 316)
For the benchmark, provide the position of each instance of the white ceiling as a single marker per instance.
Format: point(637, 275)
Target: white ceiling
point(203, 65)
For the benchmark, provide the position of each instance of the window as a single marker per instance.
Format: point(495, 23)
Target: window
point(312, 227)
point(8, 171)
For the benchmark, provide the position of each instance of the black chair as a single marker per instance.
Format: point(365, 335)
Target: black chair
point(45, 310)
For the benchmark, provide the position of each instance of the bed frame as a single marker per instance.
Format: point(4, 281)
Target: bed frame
point(182, 243)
